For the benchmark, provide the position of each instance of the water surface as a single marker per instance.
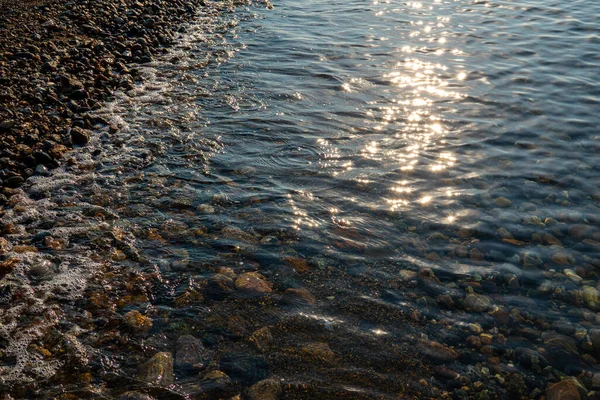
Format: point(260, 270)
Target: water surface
point(417, 182)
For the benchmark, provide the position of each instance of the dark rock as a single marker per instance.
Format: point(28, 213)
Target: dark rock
point(243, 368)
point(80, 136)
point(190, 353)
point(158, 370)
point(565, 390)
point(268, 389)
point(14, 181)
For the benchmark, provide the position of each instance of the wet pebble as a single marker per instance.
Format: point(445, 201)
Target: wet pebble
point(298, 297)
point(190, 353)
point(158, 370)
point(477, 303)
point(137, 322)
point(268, 389)
point(253, 283)
point(564, 390)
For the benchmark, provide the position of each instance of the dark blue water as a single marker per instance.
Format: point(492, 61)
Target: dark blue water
point(417, 183)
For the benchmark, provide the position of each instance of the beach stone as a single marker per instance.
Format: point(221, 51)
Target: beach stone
point(135, 396)
point(7, 125)
point(563, 258)
point(579, 231)
point(219, 286)
point(564, 390)
point(591, 296)
point(215, 381)
point(14, 181)
point(80, 136)
point(594, 335)
point(477, 303)
point(137, 322)
point(253, 283)
point(436, 351)
point(244, 368)
point(552, 240)
point(268, 389)
point(190, 353)
point(319, 349)
point(262, 339)
point(298, 297)
point(531, 259)
point(504, 233)
point(502, 202)
point(158, 370)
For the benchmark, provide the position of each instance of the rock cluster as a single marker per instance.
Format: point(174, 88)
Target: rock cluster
point(58, 60)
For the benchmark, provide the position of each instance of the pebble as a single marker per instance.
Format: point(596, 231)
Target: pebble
point(253, 283)
point(137, 322)
point(215, 381)
point(298, 297)
point(477, 303)
point(268, 389)
point(320, 350)
point(436, 351)
point(190, 353)
point(503, 202)
point(80, 136)
point(564, 390)
point(262, 339)
point(158, 370)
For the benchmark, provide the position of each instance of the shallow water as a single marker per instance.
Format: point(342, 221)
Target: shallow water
point(427, 170)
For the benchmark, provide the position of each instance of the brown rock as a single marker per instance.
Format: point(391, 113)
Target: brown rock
point(436, 351)
point(552, 240)
point(563, 258)
point(253, 283)
point(158, 370)
point(502, 202)
point(137, 322)
point(477, 303)
point(565, 390)
point(190, 353)
point(300, 265)
point(268, 389)
point(319, 349)
point(262, 339)
point(298, 297)
point(80, 136)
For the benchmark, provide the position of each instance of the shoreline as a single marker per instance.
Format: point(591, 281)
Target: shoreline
point(60, 60)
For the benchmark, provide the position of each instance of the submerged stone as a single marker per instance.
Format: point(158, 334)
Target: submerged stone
point(268, 389)
point(158, 370)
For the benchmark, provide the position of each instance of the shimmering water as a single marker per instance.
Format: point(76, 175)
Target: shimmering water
point(428, 171)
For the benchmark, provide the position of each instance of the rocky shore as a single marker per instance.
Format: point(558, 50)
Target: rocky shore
point(58, 60)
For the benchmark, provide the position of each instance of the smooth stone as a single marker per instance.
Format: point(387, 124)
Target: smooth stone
point(7, 125)
point(319, 349)
point(262, 339)
point(268, 389)
point(215, 381)
point(563, 258)
point(80, 136)
point(595, 339)
point(190, 353)
point(244, 368)
point(253, 283)
point(137, 322)
point(503, 202)
point(477, 303)
point(158, 370)
point(135, 396)
point(569, 389)
point(436, 351)
point(591, 296)
point(298, 297)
